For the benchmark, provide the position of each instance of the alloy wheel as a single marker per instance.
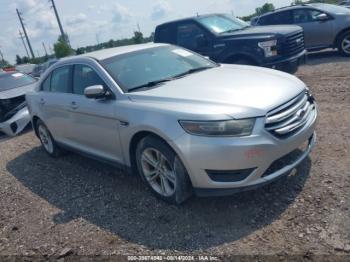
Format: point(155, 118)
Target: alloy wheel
point(346, 44)
point(158, 172)
point(45, 139)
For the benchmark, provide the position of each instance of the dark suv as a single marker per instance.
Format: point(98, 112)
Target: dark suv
point(325, 25)
point(226, 39)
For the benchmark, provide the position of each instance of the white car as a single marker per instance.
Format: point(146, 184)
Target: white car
point(14, 115)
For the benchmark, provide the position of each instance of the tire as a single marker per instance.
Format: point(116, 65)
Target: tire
point(344, 44)
point(47, 141)
point(162, 170)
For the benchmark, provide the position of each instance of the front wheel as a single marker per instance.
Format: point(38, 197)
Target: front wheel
point(344, 44)
point(162, 170)
point(46, 140)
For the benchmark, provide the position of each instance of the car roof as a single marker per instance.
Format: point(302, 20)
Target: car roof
point(287, 8)
point(110, 52)
point(190, 18)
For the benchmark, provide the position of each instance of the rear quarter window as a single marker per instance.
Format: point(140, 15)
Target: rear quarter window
point(165, 34)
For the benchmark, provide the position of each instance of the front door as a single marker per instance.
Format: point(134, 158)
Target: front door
point(94, 124)
point(317, 33)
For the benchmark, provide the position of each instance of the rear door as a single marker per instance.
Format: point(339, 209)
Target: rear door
point(93, 124)
point(53, 100)
point(317, 33)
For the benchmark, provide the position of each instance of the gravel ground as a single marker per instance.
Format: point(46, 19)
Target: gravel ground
point(74, 205)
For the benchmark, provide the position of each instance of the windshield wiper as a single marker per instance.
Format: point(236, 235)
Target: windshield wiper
point(157, 82)
point(151, 84)
point(193, 70)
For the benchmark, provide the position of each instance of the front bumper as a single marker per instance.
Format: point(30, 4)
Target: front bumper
point(289, 64)
point(255, 153)
point(17, 123)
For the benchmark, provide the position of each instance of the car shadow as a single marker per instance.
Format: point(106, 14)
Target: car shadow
point(327, 56)
point(122, 205)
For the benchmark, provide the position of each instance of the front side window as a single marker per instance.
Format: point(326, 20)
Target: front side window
point(135, 69)
point(305, 15)
point(61, 80)
point(222, 24)
point(85, 76)
point(187, 35)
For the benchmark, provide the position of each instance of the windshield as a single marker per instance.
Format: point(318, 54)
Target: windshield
point(140, 68)
point(335, 9)
point(14, 80)
point(222, 23)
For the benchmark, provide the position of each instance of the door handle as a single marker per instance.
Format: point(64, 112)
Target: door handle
point(74, 105)
point(42, 101)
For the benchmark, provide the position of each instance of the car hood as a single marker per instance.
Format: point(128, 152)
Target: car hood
point(269, 30)
point(243, 91)
point(15, 92)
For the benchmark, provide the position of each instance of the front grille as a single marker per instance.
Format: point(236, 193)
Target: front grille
point(294, 44)
point(292, 116)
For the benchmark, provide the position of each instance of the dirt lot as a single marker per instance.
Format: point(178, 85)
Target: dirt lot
point(75, 205)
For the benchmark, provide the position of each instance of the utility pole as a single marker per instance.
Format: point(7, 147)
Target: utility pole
point(24, 44)
point(25, 33)
point(44, 48)
point(138, 27)
point(59, 23)
point(2, 55)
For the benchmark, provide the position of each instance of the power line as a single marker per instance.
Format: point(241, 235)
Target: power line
point(25, 33)
point(24, 44)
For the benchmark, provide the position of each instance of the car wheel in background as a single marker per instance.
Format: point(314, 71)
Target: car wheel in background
point(46, 140)
point(344, 44)
point(162, 170)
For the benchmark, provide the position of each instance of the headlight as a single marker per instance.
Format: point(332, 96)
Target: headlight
point(269, 47)
point(242, 127)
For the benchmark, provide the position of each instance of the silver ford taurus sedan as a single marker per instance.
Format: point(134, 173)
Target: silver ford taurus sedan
point(183, 122)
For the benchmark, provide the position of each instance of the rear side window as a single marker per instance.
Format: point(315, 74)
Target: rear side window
point(278, 18)
point(85, 76)
point(61, 80)
point(46, 84)
point(164, 35)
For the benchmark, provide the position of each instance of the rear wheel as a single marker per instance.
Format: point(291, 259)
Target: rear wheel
point(162, 170)
point(344, 44)
point(46, 140)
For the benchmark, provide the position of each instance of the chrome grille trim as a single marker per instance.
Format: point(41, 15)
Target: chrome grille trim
point(290, 116)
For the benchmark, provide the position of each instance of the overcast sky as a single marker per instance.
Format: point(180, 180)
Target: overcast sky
point(90, 21)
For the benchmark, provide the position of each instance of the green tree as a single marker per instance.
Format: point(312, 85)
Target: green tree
point(138, 38)
point(25, 60)
point(4, 63)
point(267, 7)
point(61, 48)
point(19, 60)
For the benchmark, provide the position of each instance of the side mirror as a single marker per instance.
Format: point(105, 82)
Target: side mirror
point(97, 91)
point(202, 41)
point(322, 17)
